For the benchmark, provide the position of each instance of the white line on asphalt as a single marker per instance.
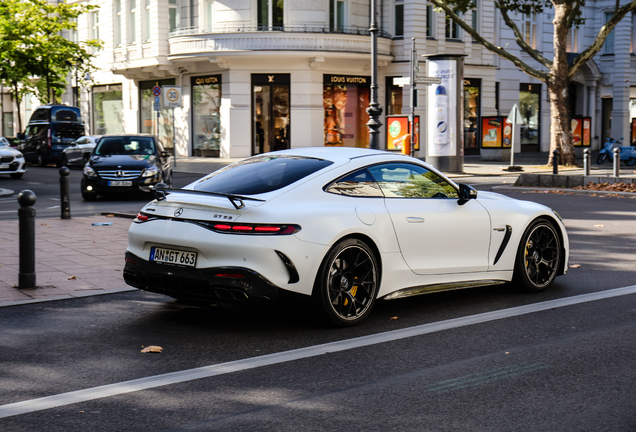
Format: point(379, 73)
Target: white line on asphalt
point(73, 397)
point(49, 208)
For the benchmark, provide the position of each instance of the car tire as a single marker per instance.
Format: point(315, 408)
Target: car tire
point(601, 158)
point(16, 176)
point(539, 257)
point(631, 161)
point(347, 284)
point(41, 160)
point(88, 196)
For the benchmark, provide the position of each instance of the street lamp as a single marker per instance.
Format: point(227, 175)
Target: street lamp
point(374, 109)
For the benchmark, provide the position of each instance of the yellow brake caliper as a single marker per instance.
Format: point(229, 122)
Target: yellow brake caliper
point(353, 292)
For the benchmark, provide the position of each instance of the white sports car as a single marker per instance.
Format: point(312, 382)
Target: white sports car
point(341, 226)
point(11, 161)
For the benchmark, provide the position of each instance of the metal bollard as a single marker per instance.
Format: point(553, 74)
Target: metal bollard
point(26, 214)
point(65, 198)
point(555, 161)
point(587, 155)
point(617, 162)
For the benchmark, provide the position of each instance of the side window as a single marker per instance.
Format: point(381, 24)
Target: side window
point(359, 184)
point(403, 180)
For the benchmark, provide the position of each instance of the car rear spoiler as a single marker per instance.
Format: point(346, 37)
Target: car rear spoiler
point(161, 191)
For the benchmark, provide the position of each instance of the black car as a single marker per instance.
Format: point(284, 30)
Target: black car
point(123, 163)
point(51, 129)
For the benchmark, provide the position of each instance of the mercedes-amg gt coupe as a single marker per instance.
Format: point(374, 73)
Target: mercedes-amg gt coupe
point(342, 227)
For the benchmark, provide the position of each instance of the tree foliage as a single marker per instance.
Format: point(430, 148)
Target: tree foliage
point(35, 55)
point(557, 73)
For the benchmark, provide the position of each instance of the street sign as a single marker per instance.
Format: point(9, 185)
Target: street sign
point(428, 80)
point(156, 90)
point(157, 106)
point(514, 116)
point(401, 81)
point(157, 99)
point(172, 96)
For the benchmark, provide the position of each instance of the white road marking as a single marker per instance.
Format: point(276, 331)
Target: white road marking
point(49, 208)
point(73, 397)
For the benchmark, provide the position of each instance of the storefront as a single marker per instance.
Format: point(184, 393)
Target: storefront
point(345, 100)
point(472, 115)
point(206, 119)
point(270, 112)
point(530, 110)
point(108, 108)
point(158, 123)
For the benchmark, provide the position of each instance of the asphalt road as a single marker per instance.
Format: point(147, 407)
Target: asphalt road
point(45, 183)
point(554, 367)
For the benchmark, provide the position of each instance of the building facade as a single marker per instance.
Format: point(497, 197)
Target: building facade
point(262, 75)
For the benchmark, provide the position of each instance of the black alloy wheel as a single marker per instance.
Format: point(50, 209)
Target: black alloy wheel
point(538, 258)
point(347, 283)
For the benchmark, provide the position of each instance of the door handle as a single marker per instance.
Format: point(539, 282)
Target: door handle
point(414, 219)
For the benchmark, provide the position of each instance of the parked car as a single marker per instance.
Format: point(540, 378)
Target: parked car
point(50, 130)
point(13, 141)
point(78, 153)
point(341, 227)
point(11, 160)
point(123, 163)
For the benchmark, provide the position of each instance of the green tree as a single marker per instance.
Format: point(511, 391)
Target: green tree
point(556, 73)
point(35, 55)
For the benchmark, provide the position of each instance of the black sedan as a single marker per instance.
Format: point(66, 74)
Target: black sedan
point(123, 163)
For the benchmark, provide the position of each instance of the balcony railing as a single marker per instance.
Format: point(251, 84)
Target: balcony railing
point(184, 31)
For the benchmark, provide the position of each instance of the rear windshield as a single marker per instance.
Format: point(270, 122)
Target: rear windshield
point(109, 146)
point(65, 116)
point(259, 175)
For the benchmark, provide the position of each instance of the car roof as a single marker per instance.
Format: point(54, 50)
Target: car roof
point(335, 154)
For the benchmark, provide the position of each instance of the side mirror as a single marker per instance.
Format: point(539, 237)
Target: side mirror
point(165, 154)
point(466, 193)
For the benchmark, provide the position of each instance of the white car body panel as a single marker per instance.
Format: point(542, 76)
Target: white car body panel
point(10, 152)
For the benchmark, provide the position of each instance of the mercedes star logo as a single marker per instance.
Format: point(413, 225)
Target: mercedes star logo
point(178, 212)
point(119, 173)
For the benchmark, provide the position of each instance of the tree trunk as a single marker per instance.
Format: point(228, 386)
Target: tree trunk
point(560, 126)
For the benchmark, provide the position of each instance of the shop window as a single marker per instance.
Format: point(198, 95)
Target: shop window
point(270, 14)
point(399, 19)
point(337, 15)
point(7, 124)
point(161, 126)
point(472, 113)
point(108, 109)
point(530, 110)
point(608, 47)
point(206, 118)
point(345, 100)
point(394, 95)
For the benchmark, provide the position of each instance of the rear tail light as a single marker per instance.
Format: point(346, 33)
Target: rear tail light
point(255, 229)
point(48, 139)
point(230, 275)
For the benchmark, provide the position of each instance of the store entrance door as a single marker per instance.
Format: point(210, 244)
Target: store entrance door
point(270, 112)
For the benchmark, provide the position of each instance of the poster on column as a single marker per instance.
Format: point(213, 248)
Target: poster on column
point(442, 109)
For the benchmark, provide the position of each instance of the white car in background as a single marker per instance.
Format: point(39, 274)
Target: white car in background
point(342, 227)
point(79, 152)
point(11, 160)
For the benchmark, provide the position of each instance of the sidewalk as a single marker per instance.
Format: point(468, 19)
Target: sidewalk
point(74, 258)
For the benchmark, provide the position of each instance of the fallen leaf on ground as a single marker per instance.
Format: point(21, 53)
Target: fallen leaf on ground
point(152, 348)
point(575, 266)
point(110, 215)
point(393, 318)
point(599, 226)
point(43, 224)
point(72, 278)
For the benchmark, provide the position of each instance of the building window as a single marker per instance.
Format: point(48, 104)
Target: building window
point(270, 14)
point(117, 30)
point(474, 23)
point(209, 14)
point(132, 22)
point(394, 97)
point(609, 42)
point(206, 115)
point(345, 99)
point(159, 125)
point(452, 28)
point(399, 19)
point(530, 29)
point(173, 15)
point(429, 20)
point(146, 21)
point(94, 26)
point(337, 15)
point(571, 44)
point(108, 109)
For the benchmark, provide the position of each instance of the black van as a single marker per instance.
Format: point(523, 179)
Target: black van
point(50, 130)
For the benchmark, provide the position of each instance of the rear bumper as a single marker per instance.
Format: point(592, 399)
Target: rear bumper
point(200, 284)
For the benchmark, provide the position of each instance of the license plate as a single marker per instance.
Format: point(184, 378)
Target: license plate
point(120, 183)
point(4, 166)
point(171, 256)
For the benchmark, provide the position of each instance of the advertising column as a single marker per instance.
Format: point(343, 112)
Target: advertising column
point(445, 113)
